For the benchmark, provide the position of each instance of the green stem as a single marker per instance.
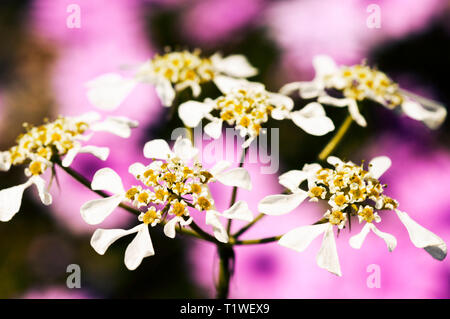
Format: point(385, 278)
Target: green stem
point(266, 240)
point(247, 227)
point(334, 142)
point(226, 269)
point(235, 189)
point(257, 241)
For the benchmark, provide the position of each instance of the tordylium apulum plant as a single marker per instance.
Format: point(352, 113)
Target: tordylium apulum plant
point(173, 183)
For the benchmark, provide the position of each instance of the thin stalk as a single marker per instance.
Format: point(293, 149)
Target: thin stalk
point(248, 226)
point(235, 189)
point(226, 269)
point(266, 240)
point(334, 142)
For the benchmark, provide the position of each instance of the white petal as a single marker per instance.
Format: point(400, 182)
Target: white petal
point(88, 117)
point(281, 204)
point(299, 238)
point(5, 161)
point(70, 156)
point(333, 160)
point(281, 101)
point(108, 91)
point(103, 238)
point(327, 256)
point(247, 142)
point(356, 241)
point(219, 167)
point(99, 152)
point(118, 125)
point(220, 233)
point(10, 200)
point(196, 89)
point(422, 237)
point(136, 169)
point(433, 117)
point(312, 119)
point(313, 109)
point(192, 112)
point(165, 92)
point(140, 247)
point(239, 211)
point(279, 114)
point(44, 195)
point(227, 84)
point(169, 227)
point(234, 65)
point(214, 128)
point(289, 88)
point(354, 112)
point(310, 90)
point(390, 240)
point(238, 177)
point(326, 99)
point(311, 169)
point(95, 211)
point(106, 179)
point(157, 149)
point(292, 179)
point(324, 65)
point(183, 149)
point(379, 165)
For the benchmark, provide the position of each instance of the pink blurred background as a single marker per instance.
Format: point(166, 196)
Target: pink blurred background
point(280, 38)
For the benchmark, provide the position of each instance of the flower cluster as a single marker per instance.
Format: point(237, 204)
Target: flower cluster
point(350, 191)
point(247, 106)
point(169, 73)
point(169, 187)
point(182, 69)
point(42, 146)
point(347, 85)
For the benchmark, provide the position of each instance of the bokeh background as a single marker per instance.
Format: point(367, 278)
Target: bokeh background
point(43, 68)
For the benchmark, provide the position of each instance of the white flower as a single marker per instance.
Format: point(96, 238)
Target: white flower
point(283, 204)
point(172, 184)
point(235, 177)
point(246, 106)
point(183, 149)
point(238, 211)
point(11, 198)
point(41, 145)
point(139, 248)
point(422, 237)
point(95, 211)
point(350, 190)
point(300, 238)
point(368, 215)
point(360, 82)
point(169, 73)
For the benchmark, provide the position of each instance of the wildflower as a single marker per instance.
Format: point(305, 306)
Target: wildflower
point(360, 82)
point(169, 73)
point(169, 187)
point(41, 146)
point(350, 190)
point(247, 106)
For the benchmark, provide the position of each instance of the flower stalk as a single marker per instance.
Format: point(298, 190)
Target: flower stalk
point(337, 138)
